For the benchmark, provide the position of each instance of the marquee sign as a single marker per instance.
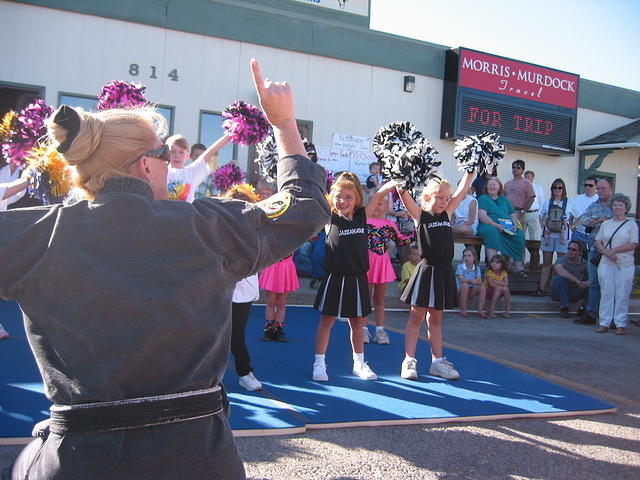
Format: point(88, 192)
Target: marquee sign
point(527, 105)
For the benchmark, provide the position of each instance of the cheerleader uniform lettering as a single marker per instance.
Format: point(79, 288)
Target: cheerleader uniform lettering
point(433, 282)
point(344, 290)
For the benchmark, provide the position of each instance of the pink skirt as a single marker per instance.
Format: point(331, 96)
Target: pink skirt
point(380, 268)
point(280, 277)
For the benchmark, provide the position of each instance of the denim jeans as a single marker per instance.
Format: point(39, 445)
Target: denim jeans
point(566, 292)
point(594, 287)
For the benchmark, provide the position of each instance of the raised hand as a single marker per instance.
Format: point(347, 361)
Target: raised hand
point(276, 98)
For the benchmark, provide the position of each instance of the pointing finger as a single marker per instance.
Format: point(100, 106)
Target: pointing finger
point(258, 79)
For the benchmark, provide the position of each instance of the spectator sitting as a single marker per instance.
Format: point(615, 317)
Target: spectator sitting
point(469, 282)
point(464, 220)
point(409, 266)
point(494, 210)
point(496, 280)
point(571, 280)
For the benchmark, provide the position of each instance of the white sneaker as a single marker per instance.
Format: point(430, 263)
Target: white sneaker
point(367, 336)
point(3, 333)
point(444, 369)
point(362, 370)
point(381, 338)
point(320, 372)
point(409, 369)
point(250, 382)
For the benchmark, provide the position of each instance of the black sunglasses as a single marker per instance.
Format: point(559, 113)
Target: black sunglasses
point(574, 249)
point(557, 188)
point(515, 166)
point(162, 153)
point(588, 185)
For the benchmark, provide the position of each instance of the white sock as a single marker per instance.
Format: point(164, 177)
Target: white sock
point(407, 358)
point(379, 329)
point(358, 357)
point(319, 359)
point(436, 360)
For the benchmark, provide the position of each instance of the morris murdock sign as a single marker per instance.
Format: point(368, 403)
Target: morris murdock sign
point(528, 105)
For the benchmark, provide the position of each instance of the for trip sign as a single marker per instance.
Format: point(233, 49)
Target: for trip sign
point(527, 105)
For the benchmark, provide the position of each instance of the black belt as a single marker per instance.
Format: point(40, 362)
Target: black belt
point(531, 211)
point(135, 412)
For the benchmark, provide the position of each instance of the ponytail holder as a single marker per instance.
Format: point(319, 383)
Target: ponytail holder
point(68, 119)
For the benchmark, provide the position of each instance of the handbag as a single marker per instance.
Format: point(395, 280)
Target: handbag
point(595, 260)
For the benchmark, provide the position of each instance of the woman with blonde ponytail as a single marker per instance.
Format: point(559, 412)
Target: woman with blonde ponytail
point(127, 296)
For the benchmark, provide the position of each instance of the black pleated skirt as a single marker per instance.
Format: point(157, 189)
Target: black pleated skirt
point(431, 287)
point(344, 296)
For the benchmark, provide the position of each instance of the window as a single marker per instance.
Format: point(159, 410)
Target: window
point(89, 103)
point(86, 102)
point(210, 131)
point(167, 113)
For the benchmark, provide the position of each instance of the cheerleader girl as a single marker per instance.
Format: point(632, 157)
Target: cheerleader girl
point(432, 288)
point(381, 231)
point(278, 280)
point(344, 290)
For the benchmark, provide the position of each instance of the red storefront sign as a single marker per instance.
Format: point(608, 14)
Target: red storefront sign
point(504, 76)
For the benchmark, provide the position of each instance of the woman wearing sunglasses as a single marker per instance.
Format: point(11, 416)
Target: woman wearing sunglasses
point(555, 231)
point(127, 298)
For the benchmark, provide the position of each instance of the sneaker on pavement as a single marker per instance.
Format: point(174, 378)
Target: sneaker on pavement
point(409, 369)
point(3, 333)
point(564, 312)
point(320, 372)
point(381, 338)
point(444, 369)
point(250, 382)
point(367, 336)
point(362, 370)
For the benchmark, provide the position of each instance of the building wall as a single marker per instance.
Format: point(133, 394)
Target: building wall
point(78, 53)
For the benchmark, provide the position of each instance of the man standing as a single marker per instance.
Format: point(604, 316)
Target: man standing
point(595, 214)
point(570, 282)
point(519, 191)
point(578, 205)
point(531, 218)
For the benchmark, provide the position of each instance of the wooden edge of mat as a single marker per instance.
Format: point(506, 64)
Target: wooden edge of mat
point(15, 441)
point(269, 432)
point(477, 418)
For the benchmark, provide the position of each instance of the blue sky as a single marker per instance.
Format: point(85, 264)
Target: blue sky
point(598, 40)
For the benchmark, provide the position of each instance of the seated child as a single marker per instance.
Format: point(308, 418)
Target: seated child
point(497, 282)
point(469, 282)
point(408, 267)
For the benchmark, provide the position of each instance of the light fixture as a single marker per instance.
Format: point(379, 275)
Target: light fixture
point(409, 83)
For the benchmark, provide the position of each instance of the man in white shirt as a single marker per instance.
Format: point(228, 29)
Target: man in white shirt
point(182, 182)
point(531, 218)
point(578, 205)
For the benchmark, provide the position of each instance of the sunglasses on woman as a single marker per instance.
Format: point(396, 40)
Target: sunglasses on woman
point(557, 188)
point(162, 153)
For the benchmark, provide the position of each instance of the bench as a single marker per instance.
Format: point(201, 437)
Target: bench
point(533, 246)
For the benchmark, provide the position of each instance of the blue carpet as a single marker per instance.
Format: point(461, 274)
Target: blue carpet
point(291, 402)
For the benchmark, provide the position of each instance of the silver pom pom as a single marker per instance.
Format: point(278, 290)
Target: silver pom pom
point(479, 152)
point(406, 155)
